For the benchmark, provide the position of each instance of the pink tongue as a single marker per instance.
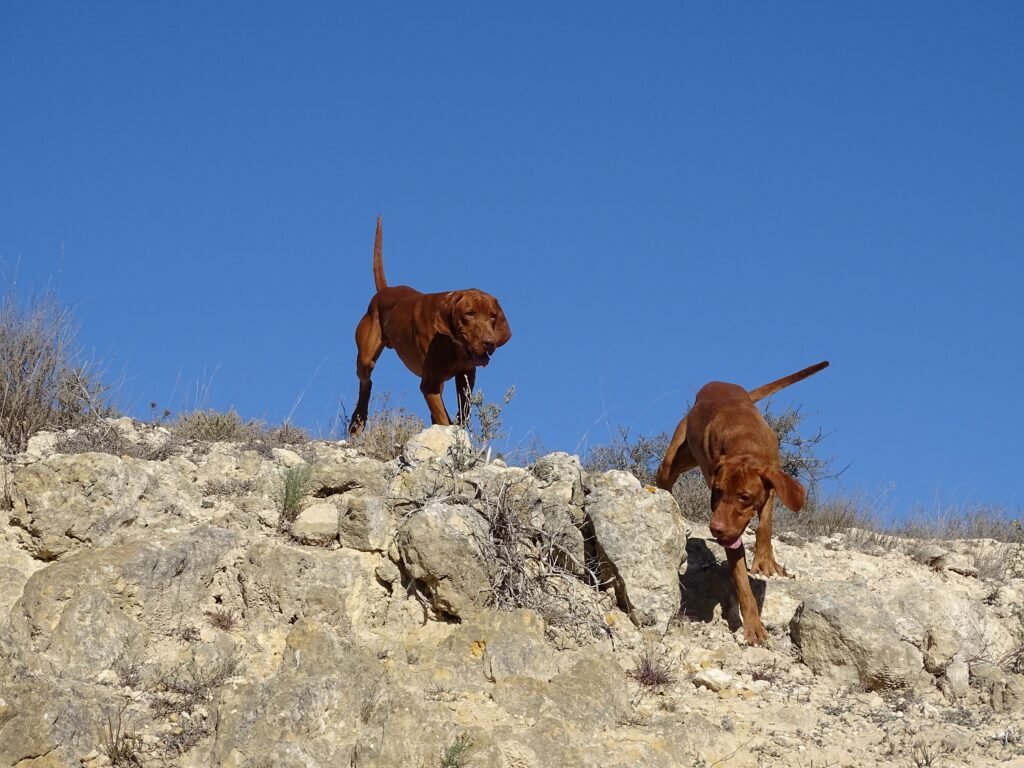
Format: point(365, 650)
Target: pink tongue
point(734, 544)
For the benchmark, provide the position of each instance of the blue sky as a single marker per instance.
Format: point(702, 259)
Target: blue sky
point(659, 194)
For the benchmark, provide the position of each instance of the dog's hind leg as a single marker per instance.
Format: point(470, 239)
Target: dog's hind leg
point(369, 345)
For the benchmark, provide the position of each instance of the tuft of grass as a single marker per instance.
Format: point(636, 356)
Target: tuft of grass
point(286, 434)
point(653, 668)
point(210, 426)
point(44, 383)
point(222, 618)
point(296, 486)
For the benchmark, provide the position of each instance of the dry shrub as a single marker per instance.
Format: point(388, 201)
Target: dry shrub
point(101, 436)
point(639, 456)
point(528, 569)
point(44, 383)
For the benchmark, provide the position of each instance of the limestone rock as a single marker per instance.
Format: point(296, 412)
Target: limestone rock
point(641, 539)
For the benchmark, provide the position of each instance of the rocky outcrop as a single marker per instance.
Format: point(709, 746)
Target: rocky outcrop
point(434, 607)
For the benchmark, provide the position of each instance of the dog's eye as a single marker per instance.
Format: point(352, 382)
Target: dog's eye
point(470, 315)
point(745, 498)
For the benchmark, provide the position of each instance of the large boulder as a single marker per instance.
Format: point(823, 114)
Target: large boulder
point(843, 632)
point(440, 548)
point(640, 539)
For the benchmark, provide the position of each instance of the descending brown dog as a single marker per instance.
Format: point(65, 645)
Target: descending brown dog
point(725, 435)
point(437, 335)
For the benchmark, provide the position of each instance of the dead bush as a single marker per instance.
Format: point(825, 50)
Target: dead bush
point(528, 569)
point(639, 455)
point(44, 382)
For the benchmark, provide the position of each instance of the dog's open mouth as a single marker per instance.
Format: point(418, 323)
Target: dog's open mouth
point(481, 359)
point(734, 544)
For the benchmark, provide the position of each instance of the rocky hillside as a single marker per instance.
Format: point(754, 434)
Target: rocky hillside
point(229, 604)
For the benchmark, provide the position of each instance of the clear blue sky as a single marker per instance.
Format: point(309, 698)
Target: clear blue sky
point(660, 194)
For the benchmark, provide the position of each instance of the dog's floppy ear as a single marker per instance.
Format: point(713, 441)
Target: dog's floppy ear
point(501, 326)
point(444, 320)
point(789, 490)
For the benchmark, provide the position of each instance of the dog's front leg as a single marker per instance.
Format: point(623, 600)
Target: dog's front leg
point(753, 629)
point(431, 390)
point(764, 562)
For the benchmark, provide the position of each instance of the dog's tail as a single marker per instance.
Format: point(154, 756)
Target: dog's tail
point(770, 389)
point(378, 256)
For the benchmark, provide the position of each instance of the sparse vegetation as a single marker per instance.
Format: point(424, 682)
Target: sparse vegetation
point(229, 487)
point(190, 683)
point(44, 382)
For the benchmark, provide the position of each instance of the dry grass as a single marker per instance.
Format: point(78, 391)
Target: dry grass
point(210, 426)
point(44, 383)
point(387, 431)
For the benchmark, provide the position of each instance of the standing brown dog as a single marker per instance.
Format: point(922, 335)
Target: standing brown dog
point(725, 435)
point(437, 335)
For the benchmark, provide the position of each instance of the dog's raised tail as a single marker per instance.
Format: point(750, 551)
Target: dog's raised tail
point(378, 256)
point(770, 389)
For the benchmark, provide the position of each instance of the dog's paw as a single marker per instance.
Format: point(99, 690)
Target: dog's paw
point(766, 566)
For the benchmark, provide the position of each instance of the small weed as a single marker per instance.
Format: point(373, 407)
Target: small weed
point(372, 699)
point(121, 746)
point(128, 669)
point(767, 670)
point(484, 425)
point(222, 618)
point(454, 756)
point(925, 755)
point(296, 486)
point(653, 668)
